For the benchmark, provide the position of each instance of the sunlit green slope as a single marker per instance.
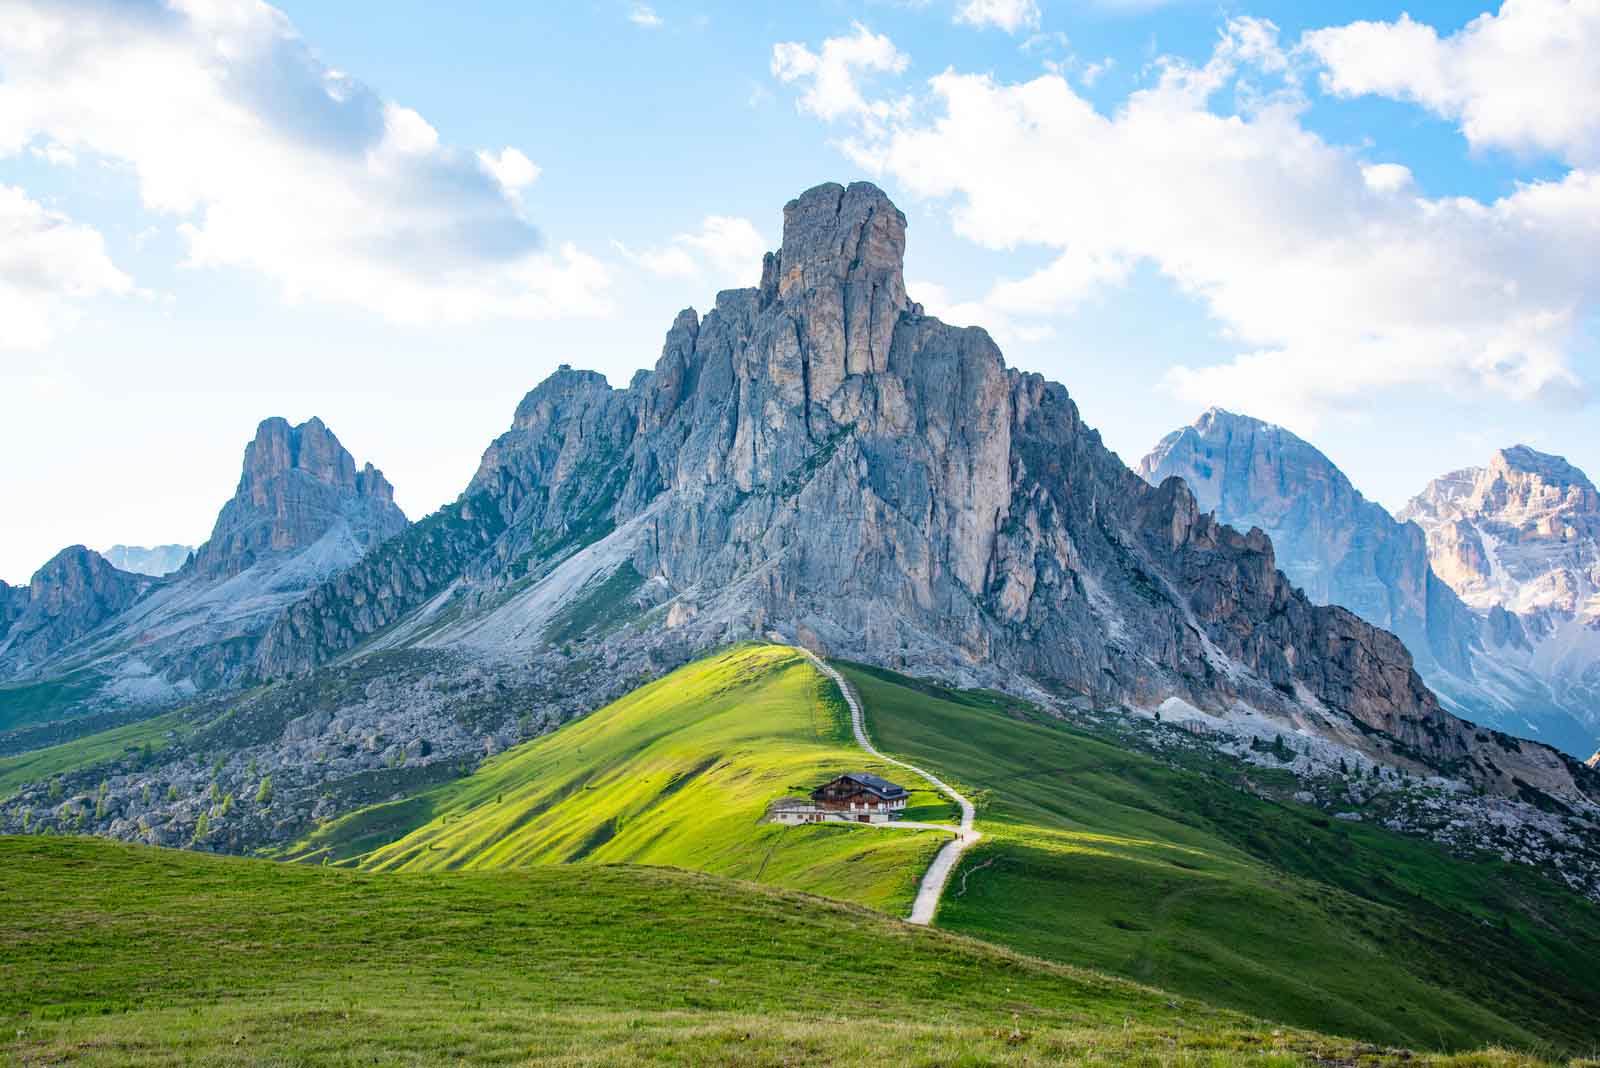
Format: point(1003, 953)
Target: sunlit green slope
point(680, 773)
point(1097, 855)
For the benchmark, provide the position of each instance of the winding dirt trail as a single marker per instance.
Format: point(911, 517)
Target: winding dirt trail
point(938, 873)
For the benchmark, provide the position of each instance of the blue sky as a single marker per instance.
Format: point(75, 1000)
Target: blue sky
point(400, 218)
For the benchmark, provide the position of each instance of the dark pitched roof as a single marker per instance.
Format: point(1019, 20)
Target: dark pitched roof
point(880, 786)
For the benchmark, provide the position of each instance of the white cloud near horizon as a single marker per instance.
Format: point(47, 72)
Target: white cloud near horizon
point(47, 261)
point(1525, 79)
point(726, 251)
point(272, 162)
point(1328, 273)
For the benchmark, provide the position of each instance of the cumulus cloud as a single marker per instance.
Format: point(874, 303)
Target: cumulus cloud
point(47, 261)
point(272, 162)
point(832, 86)
point(1524, 79)
point(644, 15)
point(726, 250)
point(1330, 274)
point(1008, 15)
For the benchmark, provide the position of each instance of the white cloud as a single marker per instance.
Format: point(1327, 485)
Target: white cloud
point(54, 154)
point(832, 90)
point(513, 170)
point(1331, 276)
point(1095, 71)
point(645, 15)
point(937, 301)
point(1008, 15)
point(726, 250)
point(47, 261)
point(272, 162)
point(1525, 79)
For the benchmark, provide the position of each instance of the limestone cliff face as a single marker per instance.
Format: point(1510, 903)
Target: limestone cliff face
point(1334, 543)
point(1519, 539)
point(71, 595)
point(1343, 549)
point(13, 602)
point(297, 485)
point(1522, 532)
point(303, 511)
point(817, 457)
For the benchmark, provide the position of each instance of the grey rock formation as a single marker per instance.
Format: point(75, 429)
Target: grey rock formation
point(13, 602)
point(155, 562)
point(71, 595)
point(1343, 549)
point(1519, 539)
point(819, 459)
point(298, 484)
point(303, 511)
point(1334, 543)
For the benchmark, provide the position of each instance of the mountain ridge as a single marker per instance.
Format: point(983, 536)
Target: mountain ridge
point(940, 527)
point(1343, 548)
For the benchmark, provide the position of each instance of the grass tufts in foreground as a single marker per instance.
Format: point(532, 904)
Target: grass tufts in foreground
point(127, 956)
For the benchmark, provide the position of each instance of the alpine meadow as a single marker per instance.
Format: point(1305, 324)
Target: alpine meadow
point(864, 670)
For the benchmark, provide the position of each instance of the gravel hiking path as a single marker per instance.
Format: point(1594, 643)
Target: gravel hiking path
point(938, 873)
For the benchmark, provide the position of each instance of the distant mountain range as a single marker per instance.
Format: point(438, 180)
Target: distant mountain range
point(161, 560)
point(1491, 575)
point(302, 511)
point(817, 460)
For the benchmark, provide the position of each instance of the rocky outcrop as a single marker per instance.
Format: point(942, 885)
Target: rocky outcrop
point(1519, 539)
point(1343, 549)
point(1331, 541)
point(298, 484)
point(71, 595)
point(303, 511)
point(1522, 533)
point(13, 602)
point(161, 560)
point(818, 458)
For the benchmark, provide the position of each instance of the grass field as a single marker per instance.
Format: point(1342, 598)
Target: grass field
point(1109, 859)
point(36, 765)
point(129, 957)
point(680, 773)
point(36, 702)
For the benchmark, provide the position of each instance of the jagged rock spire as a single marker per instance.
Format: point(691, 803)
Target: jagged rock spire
point(842, 269)
point(297, 482)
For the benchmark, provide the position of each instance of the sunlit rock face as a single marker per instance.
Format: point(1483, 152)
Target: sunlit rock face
point(1519, 539)
point(1470, 648)
point(816, 458)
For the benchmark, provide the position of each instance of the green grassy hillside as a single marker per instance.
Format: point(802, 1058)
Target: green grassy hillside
point(127, 957)
point(1107, 858)
point(680, 772)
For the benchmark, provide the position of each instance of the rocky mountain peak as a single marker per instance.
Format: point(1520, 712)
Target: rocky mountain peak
point(72, 594)
point(841, 269)
point(298, 483)
point(819, 459)
point(1331, 541)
